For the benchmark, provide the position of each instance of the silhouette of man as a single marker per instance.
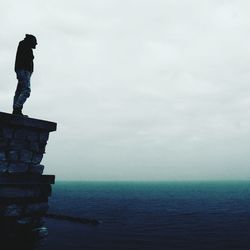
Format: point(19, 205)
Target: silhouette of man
point(24, 68)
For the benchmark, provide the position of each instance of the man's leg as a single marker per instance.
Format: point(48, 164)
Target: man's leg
point(22, 91)
point(17, 93)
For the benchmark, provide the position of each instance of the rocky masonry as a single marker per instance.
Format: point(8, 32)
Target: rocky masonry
point(24, 190)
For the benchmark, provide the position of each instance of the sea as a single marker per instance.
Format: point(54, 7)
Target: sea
point(150, 216)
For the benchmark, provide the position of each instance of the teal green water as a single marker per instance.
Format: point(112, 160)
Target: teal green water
point(152, 215)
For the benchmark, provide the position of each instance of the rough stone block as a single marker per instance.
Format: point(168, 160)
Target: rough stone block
point(44, 136)
point(18, 144)
point(26, 179)
point(25, 155)
point(3, 167)
point(31, 221)
point(7, 132)
point(21, 133)
point(20, 191)
point(42, 147)
point(17, 192)
point(36, 169)
point(40, 232)
point(35, 147)
point(25, 221)
point(45, 190)
point(12, 210)
point(37, 208)
point(13, 155)
point(37, 158)
point(3, 143)
point(2, 155)
point(17, 167)
point(32, 135)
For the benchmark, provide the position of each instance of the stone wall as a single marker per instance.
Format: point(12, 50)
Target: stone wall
point(24, 190)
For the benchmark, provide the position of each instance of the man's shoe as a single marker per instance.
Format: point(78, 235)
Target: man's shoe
point(18, 112)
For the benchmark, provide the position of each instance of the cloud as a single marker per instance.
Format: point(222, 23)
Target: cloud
point(140, 89)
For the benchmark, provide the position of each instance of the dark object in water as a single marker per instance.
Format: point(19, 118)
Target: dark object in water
point(73, 219)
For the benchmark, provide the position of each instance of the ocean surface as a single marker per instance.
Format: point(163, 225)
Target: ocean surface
point(150, 215)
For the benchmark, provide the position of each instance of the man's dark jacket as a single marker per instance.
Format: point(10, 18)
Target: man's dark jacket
point(24, 57)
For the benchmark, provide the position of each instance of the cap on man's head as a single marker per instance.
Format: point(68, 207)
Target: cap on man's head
point(29, 36)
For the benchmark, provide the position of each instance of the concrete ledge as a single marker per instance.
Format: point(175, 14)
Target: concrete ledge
point(15, 120)
point(24, 191)
point(21, 191)
point(5, 201)
point(26, 179)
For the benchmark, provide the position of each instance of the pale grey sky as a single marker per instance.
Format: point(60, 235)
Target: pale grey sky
point(141, 90)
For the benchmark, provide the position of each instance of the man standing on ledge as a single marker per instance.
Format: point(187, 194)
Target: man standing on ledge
point(24, 69)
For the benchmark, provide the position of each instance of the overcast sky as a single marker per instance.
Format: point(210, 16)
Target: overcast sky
point(140, 89)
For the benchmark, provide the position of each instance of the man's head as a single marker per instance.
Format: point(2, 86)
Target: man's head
point(31, 40)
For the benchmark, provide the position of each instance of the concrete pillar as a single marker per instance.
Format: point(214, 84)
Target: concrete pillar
point(24, 190)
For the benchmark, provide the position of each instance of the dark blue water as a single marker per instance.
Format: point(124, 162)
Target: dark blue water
point(157, 216)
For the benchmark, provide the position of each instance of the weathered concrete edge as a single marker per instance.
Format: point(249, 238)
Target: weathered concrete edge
point(26, 179)
point(9, 119)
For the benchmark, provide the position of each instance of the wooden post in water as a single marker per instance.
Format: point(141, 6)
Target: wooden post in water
point(24, 190)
